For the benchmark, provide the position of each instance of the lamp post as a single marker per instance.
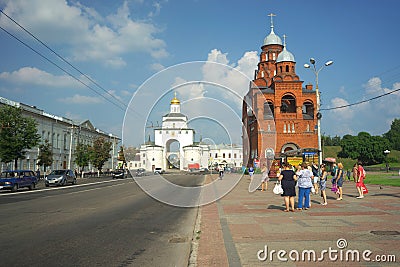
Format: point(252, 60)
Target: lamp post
point(319, 115)
point(387, 163)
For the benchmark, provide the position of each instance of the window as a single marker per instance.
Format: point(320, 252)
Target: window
point(287, 68)
point(216, 155)
point(268, 110)
point(308, 110)
point(288, 104)
point(223, 155)
point(234, 156)
point(65, 141)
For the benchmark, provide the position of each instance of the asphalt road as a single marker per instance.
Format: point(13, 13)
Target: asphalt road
point(101, 223)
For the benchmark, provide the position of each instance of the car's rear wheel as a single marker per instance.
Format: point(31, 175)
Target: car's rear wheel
point(74, 182)
point(32, 186)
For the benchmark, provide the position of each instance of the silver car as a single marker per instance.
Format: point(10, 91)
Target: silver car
point(60, 177)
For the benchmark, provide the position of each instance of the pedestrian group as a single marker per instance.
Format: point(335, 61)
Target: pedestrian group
point(307, 179)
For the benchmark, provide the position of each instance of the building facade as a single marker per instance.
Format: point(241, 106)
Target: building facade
point(279, 113)
point(174, 147)
point(64, 135)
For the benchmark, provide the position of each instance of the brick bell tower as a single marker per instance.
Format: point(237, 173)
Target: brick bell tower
point(278, 114)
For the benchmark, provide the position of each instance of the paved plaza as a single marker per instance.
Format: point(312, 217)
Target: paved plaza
point(251, 229)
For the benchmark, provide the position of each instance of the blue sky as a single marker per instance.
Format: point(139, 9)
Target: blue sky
point(122, 44)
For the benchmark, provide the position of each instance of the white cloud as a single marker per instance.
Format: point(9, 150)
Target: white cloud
point(90, 36)
point(157, 9)
point(373, 86)
point(157, 66)
point(217, 56)
point(81, 99)
point(374, 116)
point(236, 77)
point(189, 91)
point(34, 76)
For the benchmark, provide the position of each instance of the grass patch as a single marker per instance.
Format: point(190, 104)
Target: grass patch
point(383, 178)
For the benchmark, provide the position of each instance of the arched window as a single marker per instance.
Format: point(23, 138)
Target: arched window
point(268, 110)
point(288, 104)
point(280, 68)
point(287, 68)
point(308, 110)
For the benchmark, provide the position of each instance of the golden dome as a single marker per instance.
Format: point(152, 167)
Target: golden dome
point(175, 101)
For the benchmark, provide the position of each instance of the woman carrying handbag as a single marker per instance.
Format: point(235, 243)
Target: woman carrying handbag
point(288, 180)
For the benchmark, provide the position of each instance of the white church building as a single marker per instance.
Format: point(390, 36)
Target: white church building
point(174, 147)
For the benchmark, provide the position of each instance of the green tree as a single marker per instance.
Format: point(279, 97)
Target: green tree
point(330, 141)
point(364, 147)
point(393, 135)
point(100, 152)
point(17, 134)
point(45, 155)
point(130, 153)
point(82, 155)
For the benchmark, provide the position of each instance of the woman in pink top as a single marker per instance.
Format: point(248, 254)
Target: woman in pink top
point(360, 180)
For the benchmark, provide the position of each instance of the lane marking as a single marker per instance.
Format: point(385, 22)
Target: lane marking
point(57, 188)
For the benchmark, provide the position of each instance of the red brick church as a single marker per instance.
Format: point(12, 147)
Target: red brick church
point(279, 113)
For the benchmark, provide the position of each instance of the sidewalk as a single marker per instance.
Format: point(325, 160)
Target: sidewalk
point(237, 229)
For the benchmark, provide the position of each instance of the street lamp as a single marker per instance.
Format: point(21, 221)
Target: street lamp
point(386, 154)
point(319, 116)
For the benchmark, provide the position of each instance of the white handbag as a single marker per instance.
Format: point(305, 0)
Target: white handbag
point(278, 190)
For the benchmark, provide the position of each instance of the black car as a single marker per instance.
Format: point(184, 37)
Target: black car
point(119, 174)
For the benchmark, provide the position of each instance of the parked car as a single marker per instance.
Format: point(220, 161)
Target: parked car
point(60, 177)
point(158, 171)
point(120, 174)
point(13, 180)
point(140, 172)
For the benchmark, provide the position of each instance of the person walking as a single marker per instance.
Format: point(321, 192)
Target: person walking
point(304, 182)
point(314, 168)
point(323, 176)
point(221, 171)
point(251, 172)
point(288, 179)
point(360, 180)
point(264, 178)
point(339, 181)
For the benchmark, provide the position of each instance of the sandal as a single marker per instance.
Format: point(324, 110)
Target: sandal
point(285, 210)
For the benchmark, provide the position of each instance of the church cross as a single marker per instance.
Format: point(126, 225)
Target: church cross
point(272, 22)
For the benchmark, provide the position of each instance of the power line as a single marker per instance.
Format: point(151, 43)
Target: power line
point(360, 102)
point(59, 67)
point(60, 57)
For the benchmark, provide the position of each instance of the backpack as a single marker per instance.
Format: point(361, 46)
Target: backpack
point(333, 172)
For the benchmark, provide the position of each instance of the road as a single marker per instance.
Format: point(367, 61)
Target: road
point(103, 223)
